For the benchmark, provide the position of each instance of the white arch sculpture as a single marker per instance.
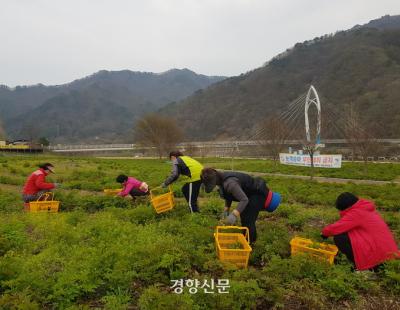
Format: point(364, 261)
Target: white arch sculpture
point(312, 98)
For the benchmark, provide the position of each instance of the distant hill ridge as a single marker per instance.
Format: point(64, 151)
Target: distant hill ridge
point(360, 66)
point(102, 106)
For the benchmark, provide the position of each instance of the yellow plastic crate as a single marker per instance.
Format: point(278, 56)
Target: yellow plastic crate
point(45, 203)
point(111, 192)
point(224, 240)
point(163, 202)
point(319, 250)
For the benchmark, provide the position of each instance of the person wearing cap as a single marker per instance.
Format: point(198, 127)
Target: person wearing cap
point(190, 169)
point(132, 186)
point(252, 195)
point(361, 233)
point(36, 184)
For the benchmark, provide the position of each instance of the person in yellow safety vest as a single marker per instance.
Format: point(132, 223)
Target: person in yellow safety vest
point(191, 169)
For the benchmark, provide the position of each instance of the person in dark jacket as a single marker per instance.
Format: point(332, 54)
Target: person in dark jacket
point(190, 169)
point(252, 195)
point(361, 233)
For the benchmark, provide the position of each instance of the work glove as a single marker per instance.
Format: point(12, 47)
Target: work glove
point(224, 214)
point(57, 185)
point(231, 219)
point(163, 185)
point(324, 237)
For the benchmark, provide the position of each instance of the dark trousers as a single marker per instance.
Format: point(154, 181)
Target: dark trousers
point(249, 215)
point(29, 198)
point(343, 243)
point(191, 193)
point(136, 192)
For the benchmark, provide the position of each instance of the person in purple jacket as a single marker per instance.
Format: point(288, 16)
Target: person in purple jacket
point(132, 187)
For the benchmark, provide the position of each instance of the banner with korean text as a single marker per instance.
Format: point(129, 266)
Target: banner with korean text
point(320, 161)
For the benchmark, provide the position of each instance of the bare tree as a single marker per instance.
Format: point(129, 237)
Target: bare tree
point(191, 149)
point(310, 149)
point(360, 137)
point(274, 134)
point(158, 131)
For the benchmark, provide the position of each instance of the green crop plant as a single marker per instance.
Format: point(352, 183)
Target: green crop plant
point(234, 246)
point(114, 253)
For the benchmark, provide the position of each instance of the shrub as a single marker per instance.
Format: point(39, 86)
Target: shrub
point(103, 251)
point(154, 298)
point(391, 276)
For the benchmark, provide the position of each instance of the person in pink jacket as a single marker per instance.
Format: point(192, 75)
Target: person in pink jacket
point(132, 187)
point(361, 233)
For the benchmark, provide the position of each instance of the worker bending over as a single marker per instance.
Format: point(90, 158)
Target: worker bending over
point(190, 169)
point(132, 186)
point(252, 194)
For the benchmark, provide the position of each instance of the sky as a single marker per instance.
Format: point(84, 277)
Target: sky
point(57, 41)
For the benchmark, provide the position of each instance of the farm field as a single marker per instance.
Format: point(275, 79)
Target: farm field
point(350, 170)
point(111, 253)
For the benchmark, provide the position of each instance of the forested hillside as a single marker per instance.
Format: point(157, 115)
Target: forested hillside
point(104, 105)
point(360, 66)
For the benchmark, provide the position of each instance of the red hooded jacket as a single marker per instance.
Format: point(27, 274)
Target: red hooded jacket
point(371, 240)
point(37, 182)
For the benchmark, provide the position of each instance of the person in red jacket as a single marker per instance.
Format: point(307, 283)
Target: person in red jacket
point(36, 183)
point(361, 233)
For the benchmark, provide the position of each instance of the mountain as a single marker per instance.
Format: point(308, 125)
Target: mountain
point(24, 98)
point(384, 23)
point(102, 106)
point(360, 66)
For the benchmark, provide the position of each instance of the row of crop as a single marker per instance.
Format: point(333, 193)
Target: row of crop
point(295, 215)
point(112, 256)
point(97, 174)
point(85, 174)
point(371, 171)
point(73, 169)
point(386, 197)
